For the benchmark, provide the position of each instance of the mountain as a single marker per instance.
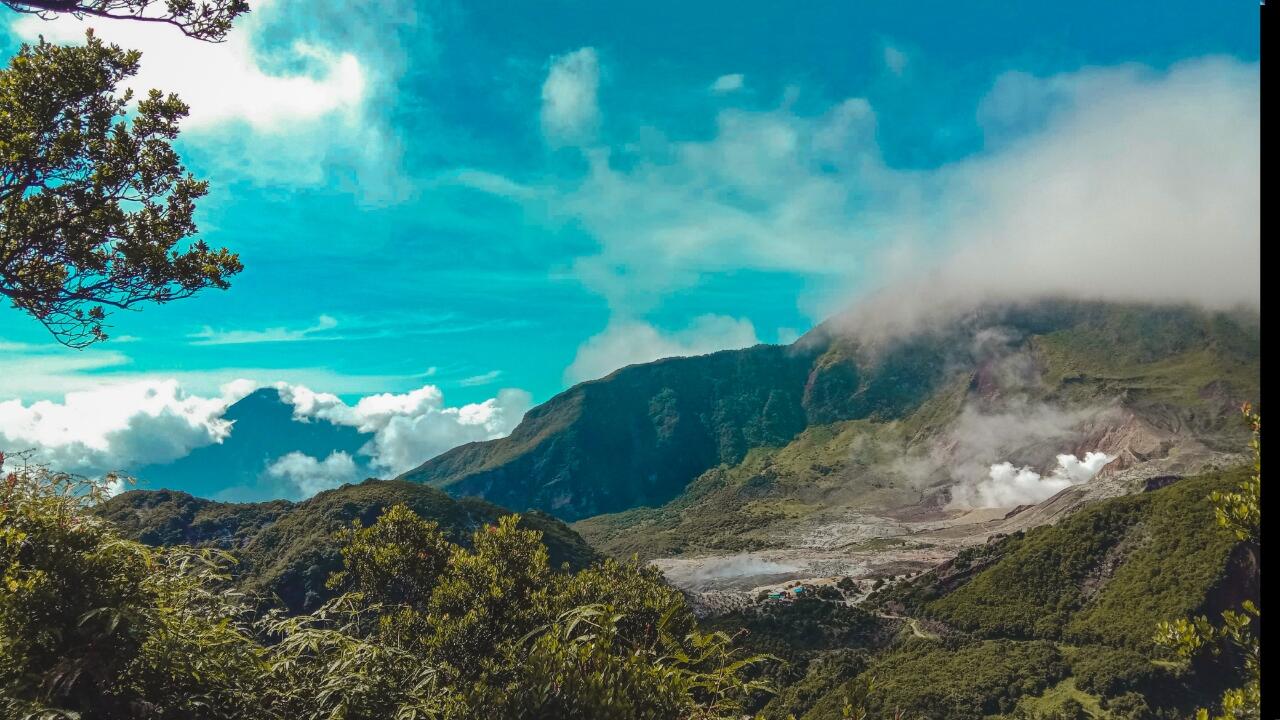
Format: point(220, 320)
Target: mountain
point(830, 413)
point(263, 430)
point(1043, 620)
point(287, 550)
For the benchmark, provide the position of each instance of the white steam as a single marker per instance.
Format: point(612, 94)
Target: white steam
point(1008, 486)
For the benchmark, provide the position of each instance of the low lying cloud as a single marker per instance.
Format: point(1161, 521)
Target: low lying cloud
point(307, 475)
point(627, 342)
point(1008, 486)
point(1123, 183)
point(114, 427)
point(127, 426)
point(410, 428)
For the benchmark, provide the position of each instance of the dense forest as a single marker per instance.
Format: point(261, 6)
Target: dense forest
point(1142, 606)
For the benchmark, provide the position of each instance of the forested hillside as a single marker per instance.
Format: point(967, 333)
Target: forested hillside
point(287, 550)
point(1055, 622)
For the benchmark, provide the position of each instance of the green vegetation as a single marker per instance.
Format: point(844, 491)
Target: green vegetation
point(926, 679)
point(95, 205)
point(1170, 366)
point(1102, 575)
point(94, 626)
point(288, 550)
point(1237, 636)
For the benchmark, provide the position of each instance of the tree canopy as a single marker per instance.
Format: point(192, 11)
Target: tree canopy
point(208, 20)
point(96, 208)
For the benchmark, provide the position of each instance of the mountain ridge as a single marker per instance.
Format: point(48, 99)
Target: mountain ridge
point(642, 436)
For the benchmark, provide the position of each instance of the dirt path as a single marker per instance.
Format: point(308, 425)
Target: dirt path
point(913, 624)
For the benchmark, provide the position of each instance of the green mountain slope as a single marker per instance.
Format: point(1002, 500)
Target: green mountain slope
point(1173, 377)
point(642, 435)
point(288, 550)
point(1066, 612)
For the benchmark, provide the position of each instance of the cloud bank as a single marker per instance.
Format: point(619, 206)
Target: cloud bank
point(127, 426)
point(114, 427)
point(1134, 186)
point(1124, 183)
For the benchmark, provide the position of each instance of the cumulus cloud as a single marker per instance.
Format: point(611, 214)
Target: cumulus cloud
point(628, 342)
point(1007, 485)
point(225, 81)
point(306, 475)
point(728, 83)
point(114, 427)
point(410, 428)
point(570, 110)
point(269, 111)
point(129, 425)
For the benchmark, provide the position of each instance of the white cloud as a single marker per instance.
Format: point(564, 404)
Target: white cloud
point(570, 110)
point(262, 108)
point(114, 427)
point(1132, 186)
point(125, 426)
point(1007, 485)
point(771, 191)
point(410, 428)
point(209, 336)
point(627, 342)
point(225, 81)
point(307, 476)
point(728, 83)
point(1118, 183)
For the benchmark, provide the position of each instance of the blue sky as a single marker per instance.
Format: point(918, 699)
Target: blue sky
point(487, 195)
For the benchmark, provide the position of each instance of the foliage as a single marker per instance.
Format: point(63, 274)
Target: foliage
point(1240, 513)
point(1111, 672)
point(288, 550)
point(1102, 575)
point(926, 680)
point(97, 627)
point(93, 207)
point(104, 627)
point(208, 20)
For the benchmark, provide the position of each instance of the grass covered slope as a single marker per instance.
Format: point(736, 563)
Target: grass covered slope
point(289, 549)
